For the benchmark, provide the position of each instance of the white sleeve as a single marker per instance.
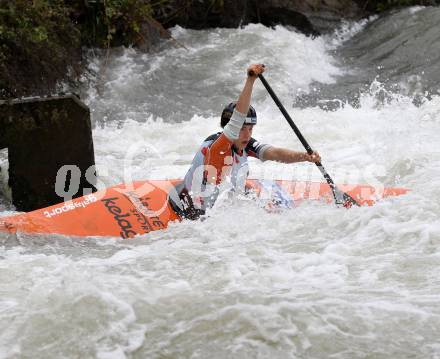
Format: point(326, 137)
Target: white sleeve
point(233, 127)
point(262, 150)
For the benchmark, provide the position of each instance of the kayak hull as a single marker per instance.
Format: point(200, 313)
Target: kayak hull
point(142, 207)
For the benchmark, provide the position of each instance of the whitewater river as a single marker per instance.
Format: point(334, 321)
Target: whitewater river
point(313, 282)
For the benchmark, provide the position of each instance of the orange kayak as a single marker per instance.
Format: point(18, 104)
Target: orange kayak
point(142, 207)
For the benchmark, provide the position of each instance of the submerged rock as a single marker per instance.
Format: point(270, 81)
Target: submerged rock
point(308, 16)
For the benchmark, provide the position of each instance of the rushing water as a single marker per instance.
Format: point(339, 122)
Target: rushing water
point(313, 282)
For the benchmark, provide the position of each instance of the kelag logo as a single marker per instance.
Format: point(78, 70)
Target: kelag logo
point(121, 219)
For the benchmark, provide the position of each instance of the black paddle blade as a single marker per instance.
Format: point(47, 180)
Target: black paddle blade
point(343, 199)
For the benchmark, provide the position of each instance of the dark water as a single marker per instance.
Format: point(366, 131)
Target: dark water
point(399, 53)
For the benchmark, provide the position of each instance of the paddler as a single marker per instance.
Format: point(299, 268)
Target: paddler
point(223, 157)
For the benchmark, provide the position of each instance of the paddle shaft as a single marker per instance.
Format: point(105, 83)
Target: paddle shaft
point(297, 131)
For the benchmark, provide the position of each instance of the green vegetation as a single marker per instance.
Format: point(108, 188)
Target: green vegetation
point(107, 23)
point(33, 51)
point(41, 40)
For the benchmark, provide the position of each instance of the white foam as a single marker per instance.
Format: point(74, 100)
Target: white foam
point(348, 30)
point(315, 281)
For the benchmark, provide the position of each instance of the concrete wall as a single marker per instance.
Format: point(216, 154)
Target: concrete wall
point(42, 135)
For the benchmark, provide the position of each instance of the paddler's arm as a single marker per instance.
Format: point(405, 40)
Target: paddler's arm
point(244, 100)
point(232, 129)
point(285, 155)
point(220, 149)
